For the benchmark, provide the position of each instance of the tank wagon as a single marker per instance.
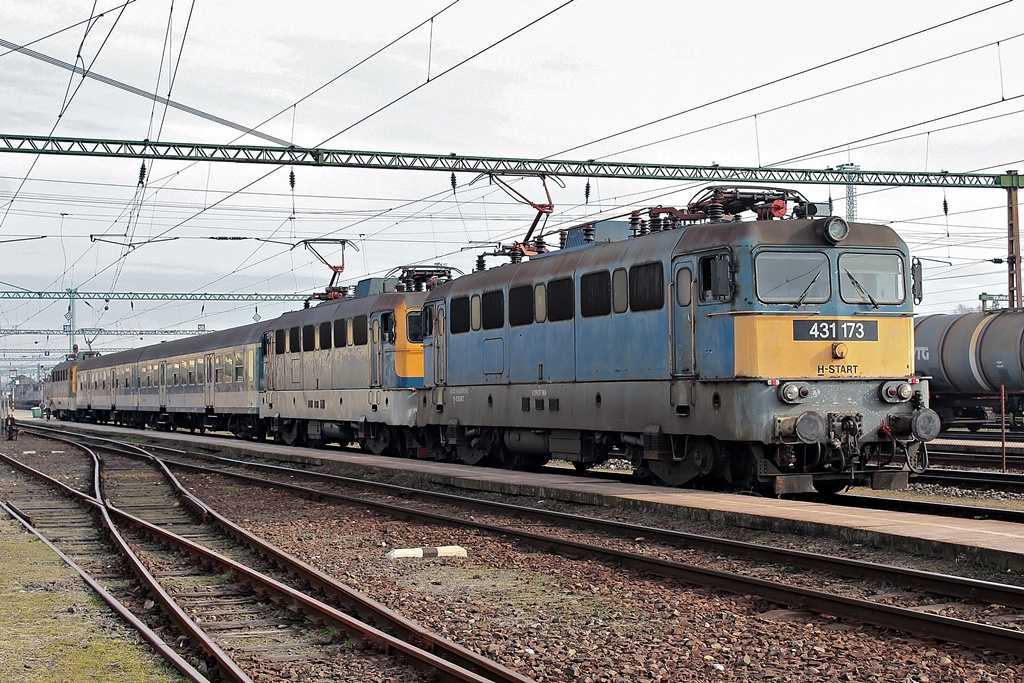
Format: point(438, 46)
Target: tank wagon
point(772, 354)
point(968, 358)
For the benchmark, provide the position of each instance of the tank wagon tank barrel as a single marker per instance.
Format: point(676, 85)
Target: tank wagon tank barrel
point(970, 358)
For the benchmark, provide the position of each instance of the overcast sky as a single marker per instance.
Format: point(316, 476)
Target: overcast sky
point(585, 72)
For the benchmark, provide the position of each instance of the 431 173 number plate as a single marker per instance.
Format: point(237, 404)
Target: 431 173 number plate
point(835, 330)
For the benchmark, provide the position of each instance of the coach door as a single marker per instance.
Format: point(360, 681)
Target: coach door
point(440, 346)
point(682, 319)
point(163, 383)
point(208, 383)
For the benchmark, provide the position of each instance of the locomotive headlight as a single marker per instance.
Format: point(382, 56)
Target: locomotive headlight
point(834, 229)
point(897, 392)
point(794, 392)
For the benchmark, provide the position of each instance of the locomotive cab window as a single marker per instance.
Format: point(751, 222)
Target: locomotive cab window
point(715, 279)
point(792, 277)
point(871, 278)
point(387, 326)
point(414, 327)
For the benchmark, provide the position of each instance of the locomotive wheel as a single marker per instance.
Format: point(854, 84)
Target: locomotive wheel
point(290, 433)
point(830, 487)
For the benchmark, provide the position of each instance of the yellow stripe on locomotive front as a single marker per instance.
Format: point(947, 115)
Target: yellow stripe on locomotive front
point(767, 347)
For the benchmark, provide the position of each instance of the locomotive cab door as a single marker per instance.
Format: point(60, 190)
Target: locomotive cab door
point(683, 362)
point(375, 352)
point(440, 346)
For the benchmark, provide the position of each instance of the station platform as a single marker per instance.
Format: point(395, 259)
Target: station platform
point(993, 543)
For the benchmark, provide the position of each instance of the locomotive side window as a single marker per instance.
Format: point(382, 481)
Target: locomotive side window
point(414, 326)
point(792, 277)
point(493, 310)
point(684, 287)
point(340, 333)
point(325, 335)
point(360, 331)
point(520, 305)
point(459, 317)
point(293, 340)
point(561, 303)
point(871, 279)
point(427, 320)
point(620, 290)
point(540, 300)
point(278, 342)
point(308, 337)
point(595, 294)
point(474, 312)
point(646, 287)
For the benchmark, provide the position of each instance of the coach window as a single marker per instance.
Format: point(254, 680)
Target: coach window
point(540, 302)
point(474, 312)
point(360, 331)
point(595, 294)
point(308, 338)
point(325, 335)
point(646, 287)
point(520, 305)
point(218, 364)
point(201, 371)
point(229, 366)
point(192, 371)
point(561, 303)
point(293, 340)
point(684, 287)
point(340, 333)
point(176, 377)
point(414, 326)
point(493, 310)
point(278, 342)
point(459, 317)
point(239, 366)
point(620, 290)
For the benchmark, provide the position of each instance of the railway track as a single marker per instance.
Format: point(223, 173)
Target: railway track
point(243, 604)
point(966, 598)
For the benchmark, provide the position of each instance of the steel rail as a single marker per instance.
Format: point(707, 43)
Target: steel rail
point(463, 659)
point(303, 604)
point(974, 634)
point(229, 670)
point(155, 641)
